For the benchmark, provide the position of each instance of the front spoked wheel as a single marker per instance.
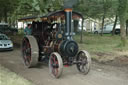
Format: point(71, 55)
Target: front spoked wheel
point(55, 65)
point(84, 61)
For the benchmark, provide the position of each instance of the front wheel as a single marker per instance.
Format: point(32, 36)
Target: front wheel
point(55, 65)
point(84, 61)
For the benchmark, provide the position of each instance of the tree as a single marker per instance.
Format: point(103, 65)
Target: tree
point(76, 24)
point(104, 15)
point(122, 17)
point(114, 26)
point(7, 7)
point(127, 27)
point(39, 7)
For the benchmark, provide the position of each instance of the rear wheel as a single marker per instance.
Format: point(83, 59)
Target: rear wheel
point(30, 51)
point(55, 65)
point(84, 62)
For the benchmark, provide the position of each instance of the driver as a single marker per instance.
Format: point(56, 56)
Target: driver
point(28, 30)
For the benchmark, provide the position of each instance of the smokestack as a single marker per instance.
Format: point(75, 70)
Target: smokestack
point(68, 24)
point(68, 4)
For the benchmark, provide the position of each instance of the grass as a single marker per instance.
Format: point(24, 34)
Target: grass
point(9, 78)
point(104, 48)
point(97, 43)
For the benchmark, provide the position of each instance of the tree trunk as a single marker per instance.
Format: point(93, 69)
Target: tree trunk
point(0, 19)
point(127, 27)
point(114, 26)
point(102, 24)
point(81, 38)
point(122, 17)
point(123, 32)
point(103, 18)
point(5, 15)
point(75, 26)
point(9, 21)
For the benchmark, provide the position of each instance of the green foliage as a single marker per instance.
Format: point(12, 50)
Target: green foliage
point(40, 7)
point(20, 8)
point(96, 8)
point(89, 8)
point(7, 7)
point(122, 10)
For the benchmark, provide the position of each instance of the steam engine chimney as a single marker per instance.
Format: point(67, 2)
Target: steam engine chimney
point(68, 23)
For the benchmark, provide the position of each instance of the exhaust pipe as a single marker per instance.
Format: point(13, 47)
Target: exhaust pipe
point(68, 24)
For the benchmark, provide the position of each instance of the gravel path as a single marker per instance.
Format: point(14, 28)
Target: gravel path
point(99, 74)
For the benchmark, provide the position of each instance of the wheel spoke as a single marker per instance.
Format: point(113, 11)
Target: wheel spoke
point(26, 52)
point(55, 64)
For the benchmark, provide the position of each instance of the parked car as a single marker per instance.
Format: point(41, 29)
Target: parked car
point(5, 43)
point(6, 29)
point(108, 29)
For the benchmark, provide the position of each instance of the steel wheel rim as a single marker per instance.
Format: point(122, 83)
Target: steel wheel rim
point(82, 58)
point(54, 64)
point(84, 62)
point(26, 52)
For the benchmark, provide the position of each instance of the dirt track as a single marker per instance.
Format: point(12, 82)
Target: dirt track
point(99, 74)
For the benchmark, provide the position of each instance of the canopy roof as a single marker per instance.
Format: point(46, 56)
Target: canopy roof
point(52, 15)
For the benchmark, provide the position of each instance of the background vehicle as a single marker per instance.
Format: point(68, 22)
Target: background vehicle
point(52, 40)
point(5, 43)
point(108, 29)
point(4, 28)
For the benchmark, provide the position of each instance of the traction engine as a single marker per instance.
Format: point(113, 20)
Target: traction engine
point(52, 42)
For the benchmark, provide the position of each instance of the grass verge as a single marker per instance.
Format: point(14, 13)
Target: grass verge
point(9, 78)
point(105, 49)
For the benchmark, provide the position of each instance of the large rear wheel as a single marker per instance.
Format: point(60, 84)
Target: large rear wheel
point(84, 61)
point(55, 65)
point(30, 51)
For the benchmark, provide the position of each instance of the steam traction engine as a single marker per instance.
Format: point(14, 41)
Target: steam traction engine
point(52, 40)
